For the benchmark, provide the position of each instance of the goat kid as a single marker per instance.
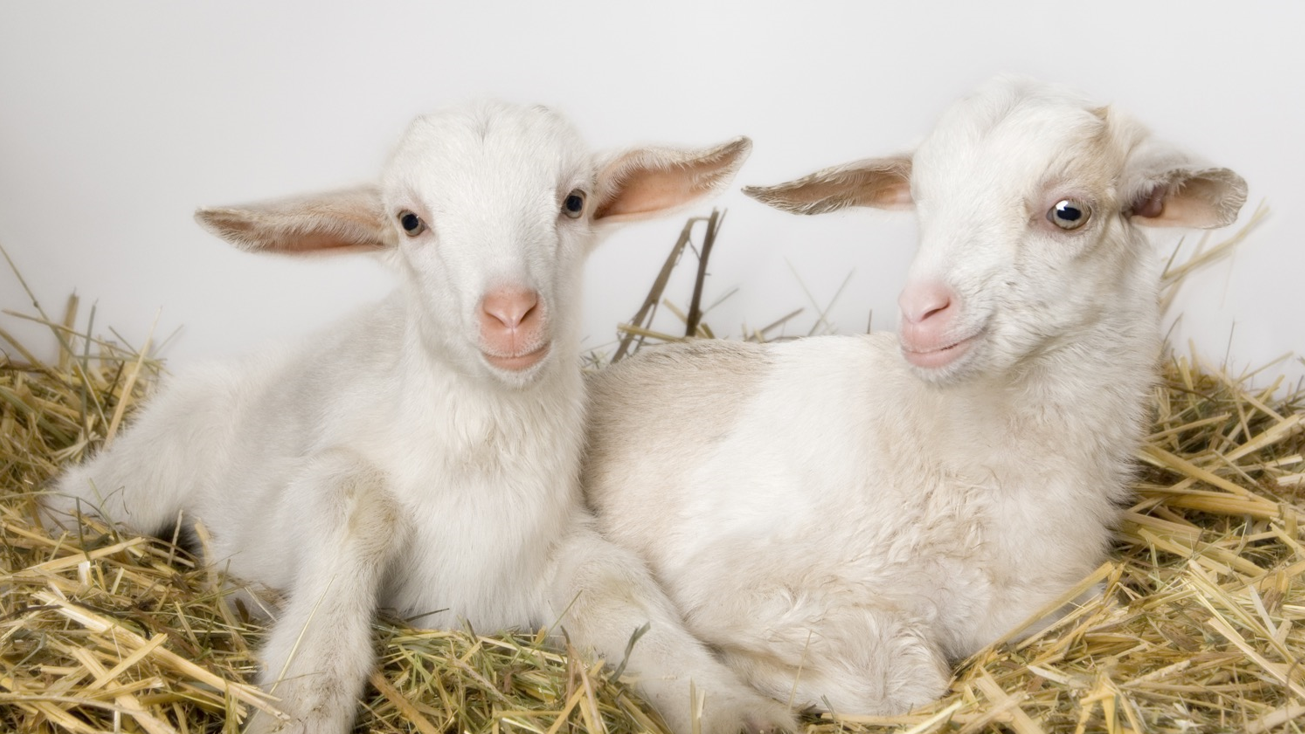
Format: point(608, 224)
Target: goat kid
point(841, 516)
point(424, 453)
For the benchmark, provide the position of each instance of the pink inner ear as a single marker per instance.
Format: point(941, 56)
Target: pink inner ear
point(648, 181)
point(324, 242)
point(255, 231)
point(1201, 199)
point(1152, 205)
point(650, 192)
point(335, 222)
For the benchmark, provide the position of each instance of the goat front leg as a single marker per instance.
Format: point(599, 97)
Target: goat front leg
point(604, 594)
point(320, 651)
point(822, 652)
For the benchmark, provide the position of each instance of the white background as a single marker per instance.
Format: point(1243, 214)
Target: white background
point(118, 119)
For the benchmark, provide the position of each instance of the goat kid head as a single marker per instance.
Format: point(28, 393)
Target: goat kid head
point(488, 211)
point(1028, 199)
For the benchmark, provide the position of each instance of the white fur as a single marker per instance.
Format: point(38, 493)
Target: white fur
point(387, 462)
point(842, 523)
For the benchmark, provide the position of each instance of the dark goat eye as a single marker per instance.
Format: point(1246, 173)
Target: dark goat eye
point(1069, 214)
point(411, 223)
point(574, 204)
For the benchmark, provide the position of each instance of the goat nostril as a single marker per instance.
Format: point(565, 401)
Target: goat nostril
point(512, 308)
point(936, 309)
point(926, 300)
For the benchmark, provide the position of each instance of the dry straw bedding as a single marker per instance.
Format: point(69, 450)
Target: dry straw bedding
point(1200, 626)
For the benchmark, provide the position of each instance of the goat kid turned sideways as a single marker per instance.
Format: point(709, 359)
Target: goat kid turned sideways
point(423, 454)
point(842, 516)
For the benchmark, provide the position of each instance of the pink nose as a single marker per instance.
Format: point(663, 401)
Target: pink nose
point(512, 330)
point(511, 308)
point(929, 316)
point(921, 302)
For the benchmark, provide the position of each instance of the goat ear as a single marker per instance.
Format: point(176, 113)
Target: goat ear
point(645, 182)
point(883, 183)
point(348, 220)
point(1166, 188)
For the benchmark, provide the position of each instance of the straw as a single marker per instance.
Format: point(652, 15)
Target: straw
point(1200, 626)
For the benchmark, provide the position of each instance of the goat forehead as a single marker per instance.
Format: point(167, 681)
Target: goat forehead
point(998, 151)
point(487, 151)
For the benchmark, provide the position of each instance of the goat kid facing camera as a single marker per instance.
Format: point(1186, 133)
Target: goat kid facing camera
point(843, 516)
point(424, 453)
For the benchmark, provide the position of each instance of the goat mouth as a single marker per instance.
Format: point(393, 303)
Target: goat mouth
point(516, 362)
point(938, 357)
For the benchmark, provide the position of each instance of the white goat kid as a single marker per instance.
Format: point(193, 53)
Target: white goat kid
point(424, 453)
point(840, 516)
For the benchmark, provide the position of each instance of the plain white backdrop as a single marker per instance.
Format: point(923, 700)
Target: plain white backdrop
point(118, 119)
